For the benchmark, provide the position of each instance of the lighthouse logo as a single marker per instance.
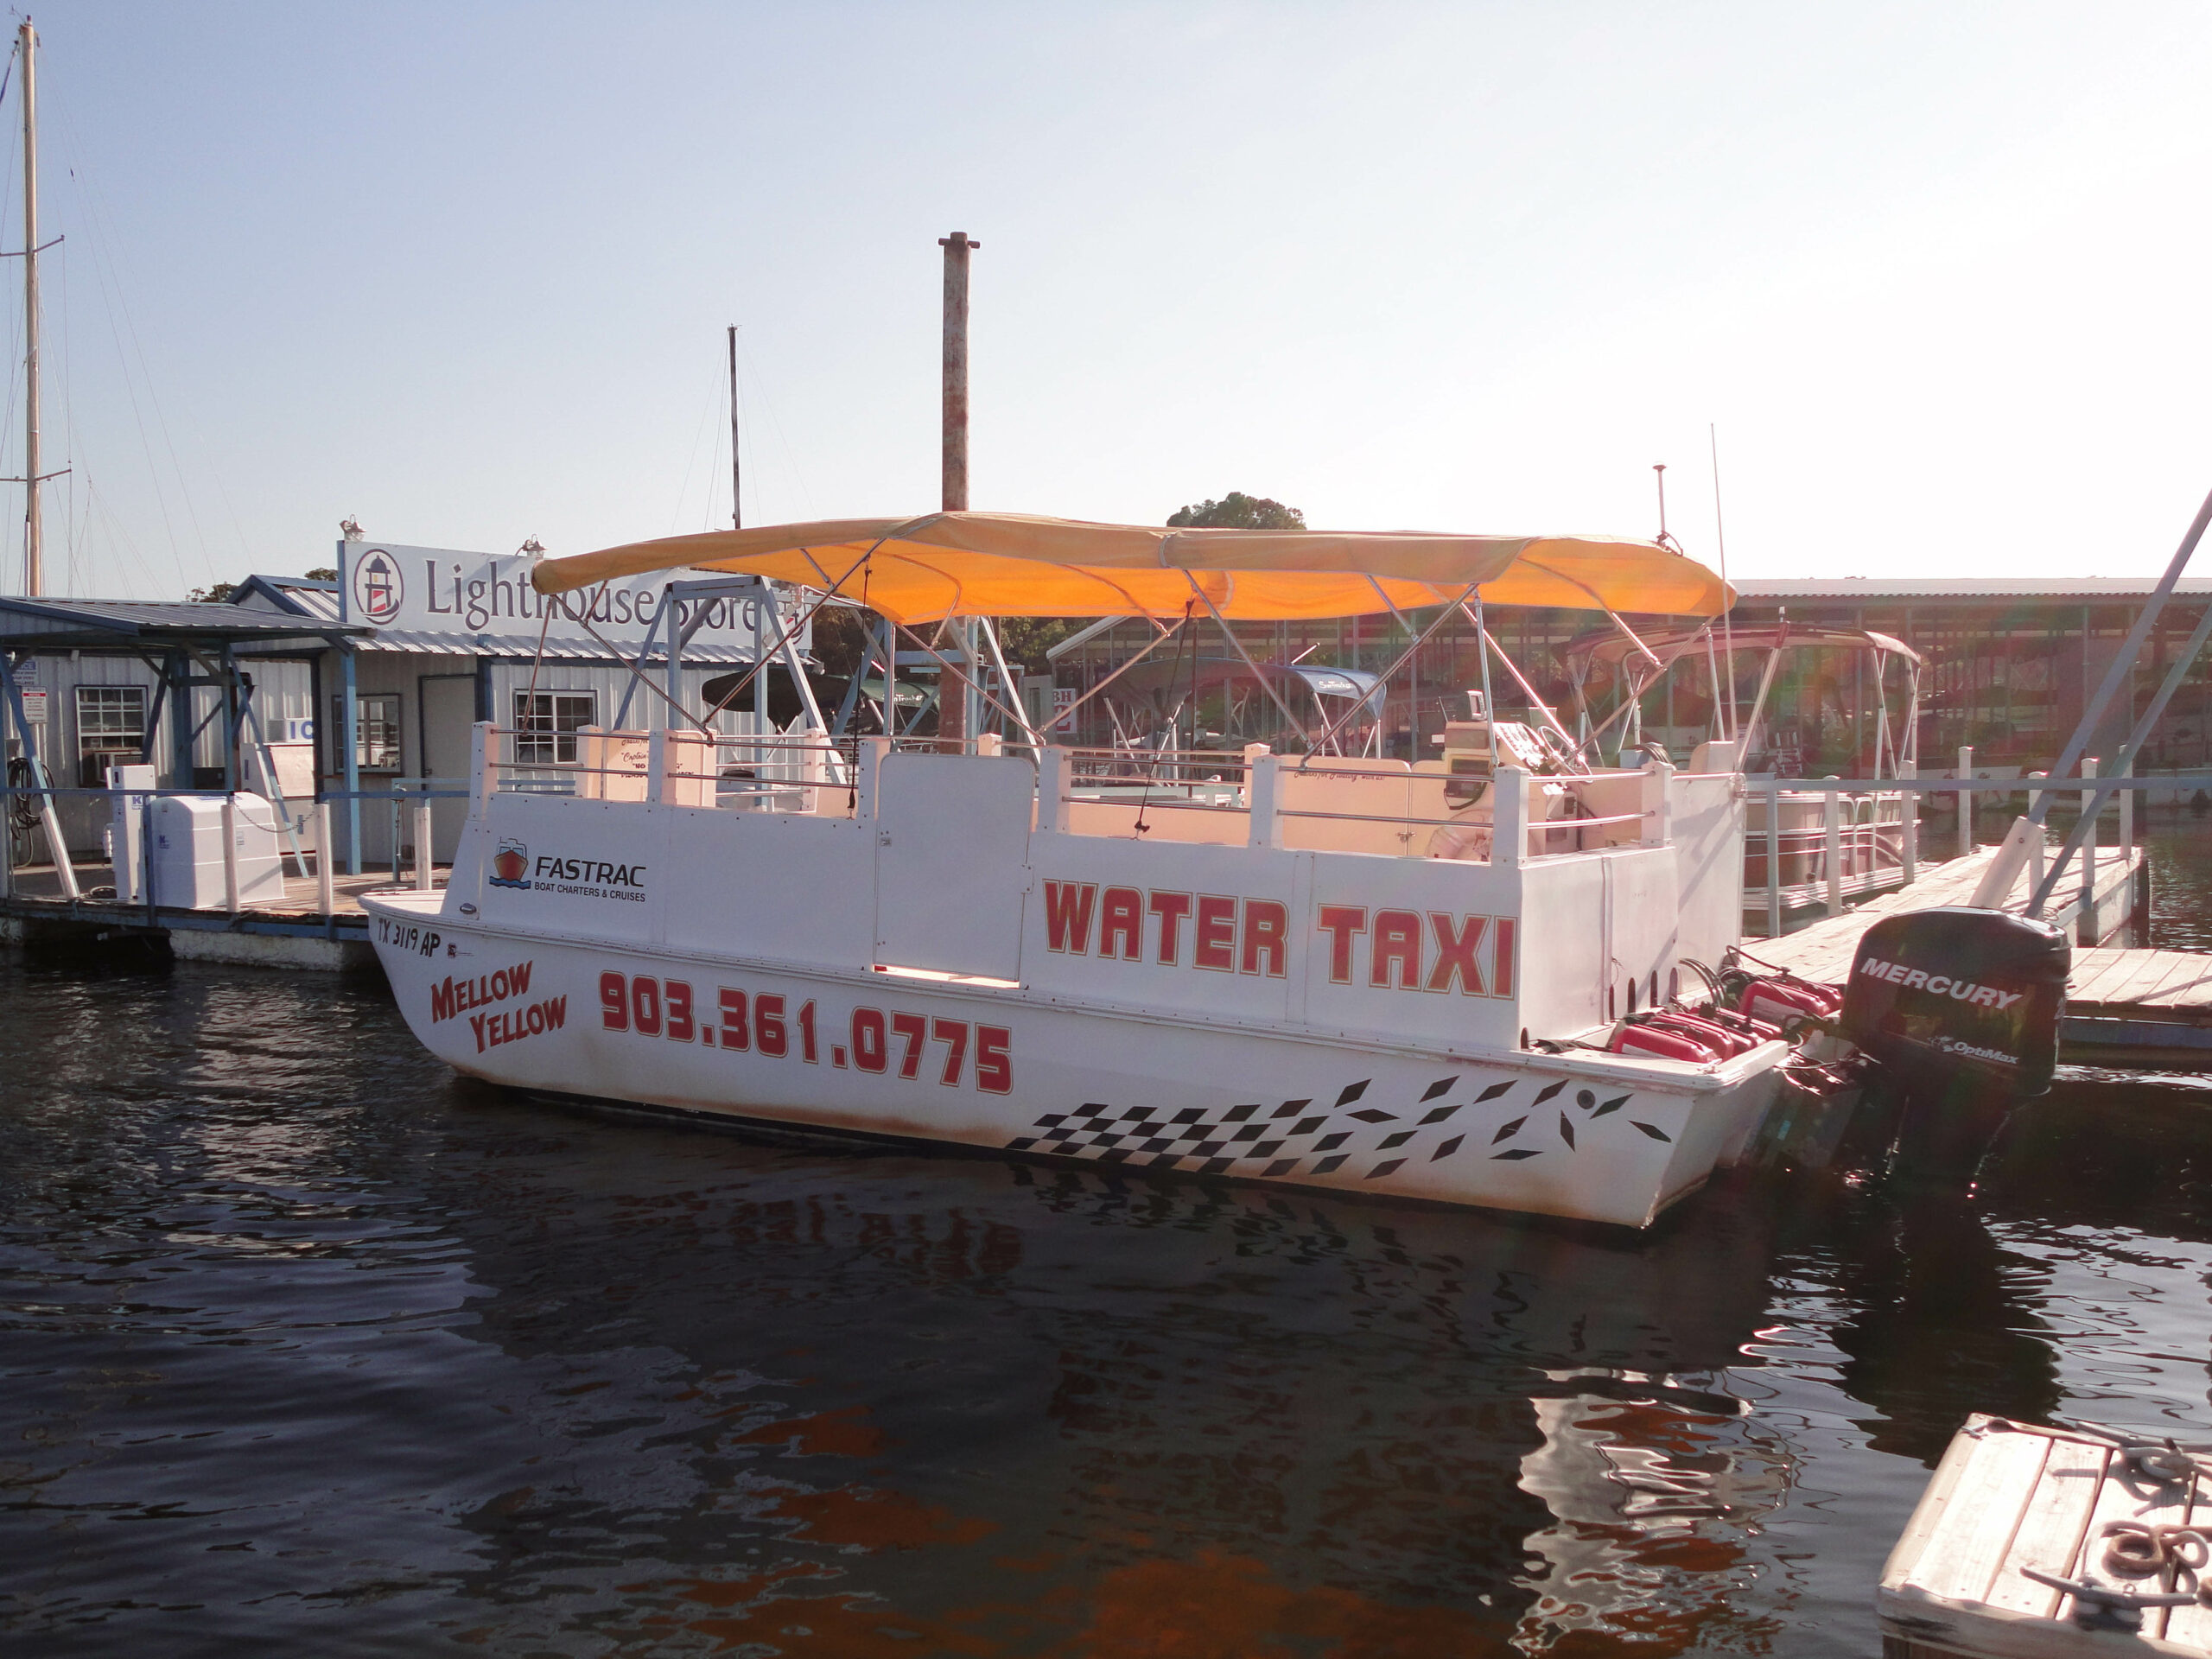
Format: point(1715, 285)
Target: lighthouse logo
point(377, 589)
point(510, 864)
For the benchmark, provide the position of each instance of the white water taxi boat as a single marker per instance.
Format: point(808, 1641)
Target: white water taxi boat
point(1382, 978)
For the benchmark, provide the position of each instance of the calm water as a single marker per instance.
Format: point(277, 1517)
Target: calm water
point(307, 1346)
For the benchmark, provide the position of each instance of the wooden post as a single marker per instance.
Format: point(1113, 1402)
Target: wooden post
point(1966, 802)
point(1263, 786)
point(1509, 842)
point(230, 853)
point(1053, 777)
point(2085, 923)
point(1909, 831)
point(952, 717)
point(1832, 844)
point(326, 897)
point(2035, 844)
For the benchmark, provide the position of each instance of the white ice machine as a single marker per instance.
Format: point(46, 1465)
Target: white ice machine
point(184, 856)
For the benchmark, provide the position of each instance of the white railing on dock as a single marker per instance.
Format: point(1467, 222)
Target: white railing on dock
point(1853, 852)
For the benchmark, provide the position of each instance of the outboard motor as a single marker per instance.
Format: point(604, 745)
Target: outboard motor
point(1960, 1008)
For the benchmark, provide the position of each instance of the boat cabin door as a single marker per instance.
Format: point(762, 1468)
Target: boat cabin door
point(951, 858)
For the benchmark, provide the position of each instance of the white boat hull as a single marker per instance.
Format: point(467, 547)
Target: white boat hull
point(1582, 1135)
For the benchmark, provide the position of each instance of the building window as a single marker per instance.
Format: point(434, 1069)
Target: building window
point(376, 744)
point(546, 724)
point(111, 731)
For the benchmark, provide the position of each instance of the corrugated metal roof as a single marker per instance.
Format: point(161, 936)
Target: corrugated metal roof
point(1991, 587)
point(306, 594)
point(525, 645)
point(54, 623)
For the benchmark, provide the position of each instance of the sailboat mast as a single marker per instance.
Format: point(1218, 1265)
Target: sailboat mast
point(34, 539)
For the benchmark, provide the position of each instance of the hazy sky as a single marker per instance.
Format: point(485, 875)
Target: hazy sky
point(1938, 274)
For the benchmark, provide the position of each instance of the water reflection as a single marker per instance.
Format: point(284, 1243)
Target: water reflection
point(304, 1342)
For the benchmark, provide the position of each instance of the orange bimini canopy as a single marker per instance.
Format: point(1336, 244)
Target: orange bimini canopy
point(945, 564)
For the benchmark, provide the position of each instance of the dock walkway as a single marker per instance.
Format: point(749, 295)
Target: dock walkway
point(294, 932)
point(2123, 1006)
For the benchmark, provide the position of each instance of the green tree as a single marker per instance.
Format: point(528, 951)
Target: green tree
point(217, 593)
point(1237, 511)
point(323, 572)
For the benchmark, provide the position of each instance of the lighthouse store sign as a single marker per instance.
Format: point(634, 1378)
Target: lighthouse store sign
point(438, 590)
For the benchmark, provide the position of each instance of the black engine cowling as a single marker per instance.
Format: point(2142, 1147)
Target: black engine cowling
point(1954, 1000)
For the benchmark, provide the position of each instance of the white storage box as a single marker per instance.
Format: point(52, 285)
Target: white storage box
point(184, 859)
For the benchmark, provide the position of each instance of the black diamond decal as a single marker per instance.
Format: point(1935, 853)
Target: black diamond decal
point(1548, 1090)
point(1020, 1146)
point(1250, 1132)
point(1107, 1140)
point(1091, 1109)
point(1160, 1145)
point(1215, 1166)
point(1612, 1105)
point(1290, 1108)
point(1051, 1118)
point(1493, 1091)
point(1309, 1126)
point(1265, 1149)
point(1447, 1149)
point(1238, 1114)
point(1517, 1152)
point(1565, 1129)
point(1652, 1129)
point(1330, 1166)
point(1438, 1114)
point(1136, 1115)
point(1207, 1148)
point(1397, 1140)
point(1059, 1134)
point(1330, 1142)
point(1384, 1168)
point(1374, 1115)
point(1280, 1167)
point(1354, 1092)
point(1436, 1089)
point(1117, 1155)
point(1507, 1131)
point(1189, 1114)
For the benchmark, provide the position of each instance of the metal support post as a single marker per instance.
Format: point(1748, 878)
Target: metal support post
point(42, 780)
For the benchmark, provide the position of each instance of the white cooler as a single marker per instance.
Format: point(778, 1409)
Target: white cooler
point(185, 856)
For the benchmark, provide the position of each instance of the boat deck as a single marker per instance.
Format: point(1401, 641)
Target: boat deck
point(2009, 1501)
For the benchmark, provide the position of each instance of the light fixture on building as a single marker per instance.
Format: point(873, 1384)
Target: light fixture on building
point(350, 528)
point(532, 548)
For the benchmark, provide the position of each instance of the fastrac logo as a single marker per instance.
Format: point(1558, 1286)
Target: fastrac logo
point(377, 590)
point(510, 864)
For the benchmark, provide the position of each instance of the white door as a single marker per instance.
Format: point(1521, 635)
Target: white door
point(952, 851)
point(449, 715)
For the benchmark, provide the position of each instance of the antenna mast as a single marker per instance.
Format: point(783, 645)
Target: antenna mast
point(33, 536)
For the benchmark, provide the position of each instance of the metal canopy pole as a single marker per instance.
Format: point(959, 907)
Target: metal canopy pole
point(2123, 765)
point(2005, 867)
point(42, 780)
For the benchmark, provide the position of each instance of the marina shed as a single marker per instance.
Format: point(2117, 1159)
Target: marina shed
point(433, 639)
point(184, 688)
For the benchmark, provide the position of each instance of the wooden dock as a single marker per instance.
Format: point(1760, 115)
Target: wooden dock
point(2124, 1007)
point(2013, 1506)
